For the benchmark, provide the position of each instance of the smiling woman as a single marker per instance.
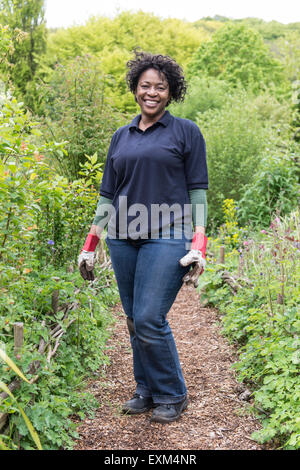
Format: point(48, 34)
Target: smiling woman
point(170, 74)
point(156, 160)
point(152, 95)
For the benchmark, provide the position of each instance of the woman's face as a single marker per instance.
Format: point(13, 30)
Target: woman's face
point(152, 93)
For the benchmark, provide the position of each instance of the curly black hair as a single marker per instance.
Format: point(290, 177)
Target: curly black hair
point(164, 65)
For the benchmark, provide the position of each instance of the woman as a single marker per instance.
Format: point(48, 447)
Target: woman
point(156, 168)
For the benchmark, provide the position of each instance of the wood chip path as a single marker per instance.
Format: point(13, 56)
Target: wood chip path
point(216, 417)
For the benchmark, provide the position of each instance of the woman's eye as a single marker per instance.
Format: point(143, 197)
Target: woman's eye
point(160, 88)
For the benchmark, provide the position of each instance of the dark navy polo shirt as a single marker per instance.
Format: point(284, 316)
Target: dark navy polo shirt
point(156, 166)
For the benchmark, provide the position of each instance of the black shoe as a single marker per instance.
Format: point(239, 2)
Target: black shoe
point(166, 413)
point(137, 404)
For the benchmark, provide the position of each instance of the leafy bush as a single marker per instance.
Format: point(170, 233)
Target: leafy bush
point(78, 113)
point(238, 54)
point(235, 138)
point(203, 93)
point(111, 42)
point(42, 213)
point(263, 320)
point(43, 220)
point(274, 189)
point(58, 395)
point(25, 19)
point(6, 390)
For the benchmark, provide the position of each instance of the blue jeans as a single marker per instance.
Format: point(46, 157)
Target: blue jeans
point(149, 277)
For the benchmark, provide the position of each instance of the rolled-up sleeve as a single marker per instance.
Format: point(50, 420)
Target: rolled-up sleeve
point(195, 160)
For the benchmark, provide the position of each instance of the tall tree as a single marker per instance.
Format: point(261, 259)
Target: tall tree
point(26, 16)
point(237, 54)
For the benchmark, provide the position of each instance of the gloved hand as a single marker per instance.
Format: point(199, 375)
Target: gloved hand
point(196, 258)
point(86, 259)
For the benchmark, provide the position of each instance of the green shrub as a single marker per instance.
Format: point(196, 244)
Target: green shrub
point(43, 222)
point(78, 112)
point(263, 320)
point(203, 93)
point(58, 395)
point(235, 138)
point(238, 55)
point(274, 189)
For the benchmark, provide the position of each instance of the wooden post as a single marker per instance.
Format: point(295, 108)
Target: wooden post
point(280, 299)
point(222, 254)
point(54, 300)
point(18, 336)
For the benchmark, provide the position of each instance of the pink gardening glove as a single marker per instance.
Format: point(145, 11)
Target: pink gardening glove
point(196, 258)
point(86, 259)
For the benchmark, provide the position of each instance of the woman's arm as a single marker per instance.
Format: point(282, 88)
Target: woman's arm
point(199, 229)
point(86, 259)
point(196, 255)
point(95, 230)
point(102, 216)
point(199, 209)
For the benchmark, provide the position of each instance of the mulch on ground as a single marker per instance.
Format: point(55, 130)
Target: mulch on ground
point(216, 417)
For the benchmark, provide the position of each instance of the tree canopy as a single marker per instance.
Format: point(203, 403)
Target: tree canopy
point(26, 16)
point(237, 53)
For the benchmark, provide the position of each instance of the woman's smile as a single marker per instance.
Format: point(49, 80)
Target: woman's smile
point(152, 94)
point(151, 103)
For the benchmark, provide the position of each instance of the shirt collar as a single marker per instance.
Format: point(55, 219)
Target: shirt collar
point(164, 120)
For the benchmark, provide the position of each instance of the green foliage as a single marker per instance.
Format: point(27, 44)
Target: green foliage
point(230, 234)
point(288, 50)
point(78, 112)
point(236, 135)
point(263, 320)
point(269, 30)
point(204, 93)
point(101, 36)
point(37, 205)
point(42, 211)
point(58, 396)
point(43, 220)
point(8, 37)
point(50, 170)
point(274, 189)
point(26, 16)
point(15, 125)
point(6, 45)
point(237, 54)
point(27, 421)
point(111, 42)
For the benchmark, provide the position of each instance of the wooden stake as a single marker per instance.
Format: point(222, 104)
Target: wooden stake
point(54, 301)
point(55, 295)
point(18, 336)
point(280, 299)
point(222, 254)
